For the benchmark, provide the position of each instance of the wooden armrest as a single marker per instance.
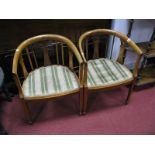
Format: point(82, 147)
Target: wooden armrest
point(18, 85)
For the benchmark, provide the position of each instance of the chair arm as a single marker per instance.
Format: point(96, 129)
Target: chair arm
point(85, 74)
point(135, 47)
point(17, 81)
point(139, 53)
point(135, 70)
point(81, 50)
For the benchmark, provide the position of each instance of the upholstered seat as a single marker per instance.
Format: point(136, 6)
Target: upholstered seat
point(50, 80)
point(106, 72)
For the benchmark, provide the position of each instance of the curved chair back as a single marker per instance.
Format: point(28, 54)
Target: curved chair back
point(59, 44)
point(83, 45)
point(98, 71)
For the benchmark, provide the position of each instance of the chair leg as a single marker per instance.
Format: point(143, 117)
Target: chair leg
point(27, 112)
point(38, 113)
point(81, 101)
point(129, 92)
point(85, 98)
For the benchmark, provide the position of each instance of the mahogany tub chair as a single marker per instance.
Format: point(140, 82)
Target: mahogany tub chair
point(51, 80)
point(105, 73)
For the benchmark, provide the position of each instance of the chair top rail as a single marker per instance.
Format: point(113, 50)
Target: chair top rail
point(108, 32)
point(44, 37)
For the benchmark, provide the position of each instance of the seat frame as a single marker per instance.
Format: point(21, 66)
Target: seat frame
point(18, 58)
point(124, 41)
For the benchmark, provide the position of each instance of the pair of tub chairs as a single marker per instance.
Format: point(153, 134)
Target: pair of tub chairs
point(54, 81)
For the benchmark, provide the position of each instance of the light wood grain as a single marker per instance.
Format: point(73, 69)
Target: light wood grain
point(18, 58)
point(124, 40)
point(29, 58)
point(47, 60)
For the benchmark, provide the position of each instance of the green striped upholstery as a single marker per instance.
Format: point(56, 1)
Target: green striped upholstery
point(49, 80)
point(105, 72)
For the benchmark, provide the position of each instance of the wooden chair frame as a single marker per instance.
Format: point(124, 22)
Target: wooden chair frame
point(18, 58)
point(124, 39)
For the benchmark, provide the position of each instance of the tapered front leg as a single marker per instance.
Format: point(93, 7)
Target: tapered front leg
point(81, 100)
point(27, 111)
point(85, 100)
point(129, 92)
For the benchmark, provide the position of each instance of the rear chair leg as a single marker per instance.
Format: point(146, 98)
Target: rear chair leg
point(27, 112)
point(85, 98)
point(81, 101)
point(129, 92)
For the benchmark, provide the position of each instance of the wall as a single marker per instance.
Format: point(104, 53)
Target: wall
point(118, 25)
point(141, 31)
point(14, 31)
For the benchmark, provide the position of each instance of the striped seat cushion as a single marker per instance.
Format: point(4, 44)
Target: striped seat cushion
point(50, 80)
point(105, 72)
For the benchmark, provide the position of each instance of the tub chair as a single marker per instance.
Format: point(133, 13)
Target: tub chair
point(105, 73)
point(51, 80)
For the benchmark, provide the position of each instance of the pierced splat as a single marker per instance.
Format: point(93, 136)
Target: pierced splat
point(96, 48)
point(113, 39)
point(29, 58)
point(23, 67)
point(47, 60)
point(35, 59)
point(70, 59)
point(121, 56)
point(57, 52)
point(62, 53)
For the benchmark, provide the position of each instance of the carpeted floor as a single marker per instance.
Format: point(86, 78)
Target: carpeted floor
point(107, 114)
